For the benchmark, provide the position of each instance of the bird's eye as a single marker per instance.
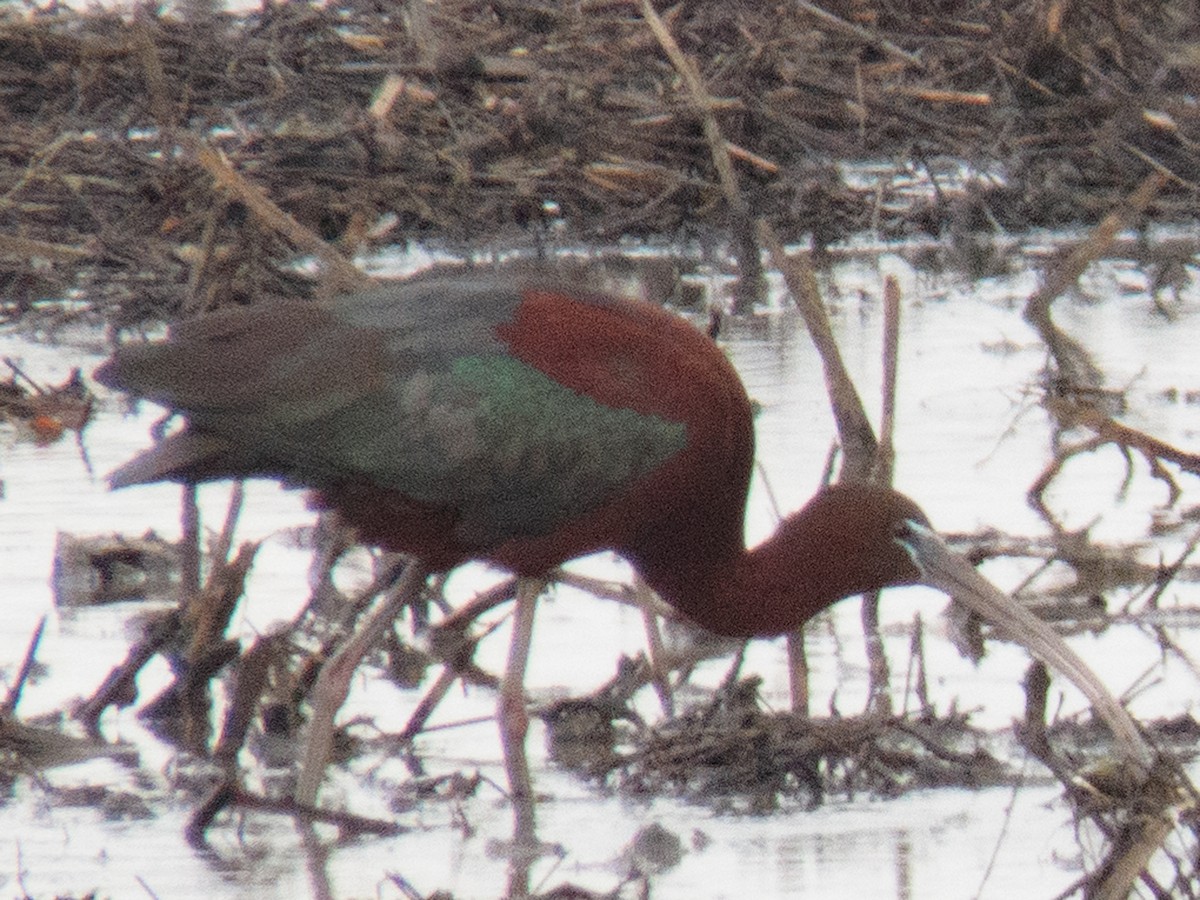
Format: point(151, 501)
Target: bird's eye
point(906, 534)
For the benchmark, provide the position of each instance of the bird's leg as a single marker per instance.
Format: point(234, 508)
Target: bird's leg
point(514, 720)
point(333, 683)
point(660, 666)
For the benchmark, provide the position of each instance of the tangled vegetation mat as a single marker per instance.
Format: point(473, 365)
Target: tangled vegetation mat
point(166, 162)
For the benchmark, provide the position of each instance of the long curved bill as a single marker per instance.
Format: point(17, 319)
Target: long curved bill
point(948, 571)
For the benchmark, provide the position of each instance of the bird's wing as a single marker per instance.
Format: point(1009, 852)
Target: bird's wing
point(386, 389)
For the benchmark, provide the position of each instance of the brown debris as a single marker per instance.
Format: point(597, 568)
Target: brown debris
point(731, 754)
point(171, 163)
point(89, 571)
point(46, 413)
point(229, 794)
point(200, 651)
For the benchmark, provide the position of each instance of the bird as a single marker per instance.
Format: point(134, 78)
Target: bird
point(525, 422)
point(474, 417)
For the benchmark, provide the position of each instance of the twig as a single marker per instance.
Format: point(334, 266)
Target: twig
point(797, 657)
point(933, 95)
point(343, 272)
point(120, 686)
point(879, 698)
point(839, 24)
point(857, 438)
point(701, 102)
point(1072, 360)
point(429, 702)
point(1127, 864)
point(754, 159)
point(885, 452)
point(155, 77)
point(1107, 430)
point(1167, 575)
point(230, 794)
point(23, 248)
point(219, 552)
point(20, 373)
point(14, 693)
point(189, 545)
point(746, 248)
point(249, 683)
point(854, 428)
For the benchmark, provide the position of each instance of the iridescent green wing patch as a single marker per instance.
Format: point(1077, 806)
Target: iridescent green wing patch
point(512, 450)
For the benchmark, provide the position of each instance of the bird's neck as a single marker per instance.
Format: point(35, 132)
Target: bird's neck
point(817, 556)
point(750, 594)
point(734, 591)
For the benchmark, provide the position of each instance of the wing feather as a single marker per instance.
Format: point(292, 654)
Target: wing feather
point(406, 388)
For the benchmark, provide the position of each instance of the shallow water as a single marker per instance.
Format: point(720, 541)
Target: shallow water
point(970, 439)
